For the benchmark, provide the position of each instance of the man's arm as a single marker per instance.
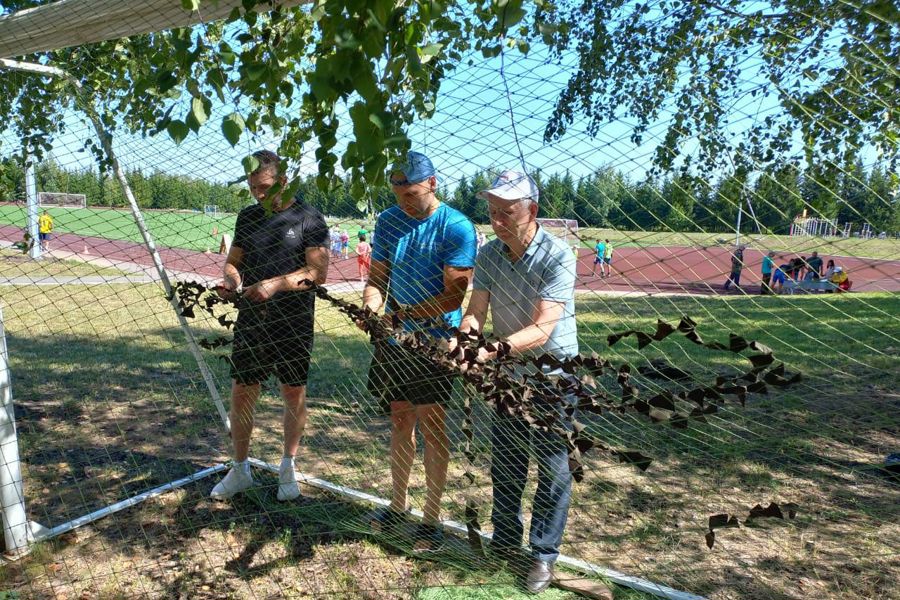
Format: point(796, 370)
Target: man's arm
point(546, 315)
point(476, 312)
point(376, 286)
point(456, 282)
point(231, 273)
point(316, 270)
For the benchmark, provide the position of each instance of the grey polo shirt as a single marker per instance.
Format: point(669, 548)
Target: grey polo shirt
point(545, 272)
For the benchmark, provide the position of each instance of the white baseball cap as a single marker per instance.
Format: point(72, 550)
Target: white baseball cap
point(512, 185)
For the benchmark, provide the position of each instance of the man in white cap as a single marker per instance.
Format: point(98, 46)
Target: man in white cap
point(526, 277)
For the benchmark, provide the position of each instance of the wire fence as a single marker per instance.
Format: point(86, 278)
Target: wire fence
point(125, 407)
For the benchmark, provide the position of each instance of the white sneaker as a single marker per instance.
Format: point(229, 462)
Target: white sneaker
point(237, 480)
point(287, 481)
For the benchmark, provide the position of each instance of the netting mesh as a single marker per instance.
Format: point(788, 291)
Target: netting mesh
point(111, 401)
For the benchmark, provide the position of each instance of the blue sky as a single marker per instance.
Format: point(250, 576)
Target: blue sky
point(472, 129)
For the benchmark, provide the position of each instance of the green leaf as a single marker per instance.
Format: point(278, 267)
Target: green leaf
point(510, 14)
point(232, 128)
point(178, 130)
point(198, 109)
point(190, 4)
point(430, 51)
point(250, 163)
point(226, 54)
point(255, 70)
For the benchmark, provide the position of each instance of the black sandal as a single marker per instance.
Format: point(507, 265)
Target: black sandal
point(388, 520)
point(428, 537)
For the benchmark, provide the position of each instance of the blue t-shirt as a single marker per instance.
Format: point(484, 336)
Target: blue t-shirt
point(417, 251)
point(767, 265)
point(601, 249)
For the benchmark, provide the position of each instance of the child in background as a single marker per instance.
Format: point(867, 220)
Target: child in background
point(363, 257)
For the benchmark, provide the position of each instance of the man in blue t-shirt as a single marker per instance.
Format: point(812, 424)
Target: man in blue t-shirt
point(600, 249)
point(422, 261)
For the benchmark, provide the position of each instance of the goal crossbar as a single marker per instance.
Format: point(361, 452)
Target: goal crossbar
point(69, 23)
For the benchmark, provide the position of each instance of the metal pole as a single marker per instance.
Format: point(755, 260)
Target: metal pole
point(114, 508)
point(12, 497)
point(160, 269)
point(86, 105)
point(31, 201)
point(617, 577)
point(737, 227)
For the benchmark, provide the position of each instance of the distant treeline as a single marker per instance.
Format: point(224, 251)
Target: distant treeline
point(607, 198)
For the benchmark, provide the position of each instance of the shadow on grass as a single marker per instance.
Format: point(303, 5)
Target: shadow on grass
point(111, 417)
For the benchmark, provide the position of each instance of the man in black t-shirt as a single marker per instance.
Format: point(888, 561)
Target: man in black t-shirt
point(813, 267)
point(277, 244)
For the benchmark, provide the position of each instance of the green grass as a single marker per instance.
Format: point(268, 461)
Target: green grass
point(109, 403)
point(15, 264)
point(888, 249)
point(176, 229)
point(194, 231)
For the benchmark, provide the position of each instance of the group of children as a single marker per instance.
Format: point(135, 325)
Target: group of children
point(802, 272)
point(340, 248)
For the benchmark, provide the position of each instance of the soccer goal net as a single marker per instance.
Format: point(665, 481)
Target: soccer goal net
point(565, 229)
point(62, 200)
point(713, 420)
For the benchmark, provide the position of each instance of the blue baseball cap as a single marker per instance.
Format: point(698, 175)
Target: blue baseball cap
point(418, 167)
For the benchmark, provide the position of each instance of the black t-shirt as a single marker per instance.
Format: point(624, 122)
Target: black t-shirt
point(814, 264)
point(276, 245)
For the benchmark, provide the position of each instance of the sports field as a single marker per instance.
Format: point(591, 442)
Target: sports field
point(189, 230)
point(195, 231)
point(136, 415)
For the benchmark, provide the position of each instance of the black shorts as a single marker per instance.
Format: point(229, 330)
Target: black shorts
point(400, 375)
point(43, 236)
point(265, 346)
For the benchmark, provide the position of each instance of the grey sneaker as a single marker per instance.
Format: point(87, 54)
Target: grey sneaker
point(236, 481)
point(287, 481)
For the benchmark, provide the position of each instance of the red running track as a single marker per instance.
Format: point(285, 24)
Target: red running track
point(703, 270)
point(647, 270)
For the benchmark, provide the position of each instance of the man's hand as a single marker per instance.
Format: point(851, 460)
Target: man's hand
point(485, 355)
point(361, 323)
point(264, 290)
point(225, 292)
point(449, 345)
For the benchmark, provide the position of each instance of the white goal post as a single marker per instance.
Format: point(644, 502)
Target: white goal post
point(561, 227)
point(62, 199)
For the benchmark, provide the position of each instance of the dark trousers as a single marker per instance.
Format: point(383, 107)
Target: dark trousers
point(734, 278)
point(513, 443)
point(766, 287)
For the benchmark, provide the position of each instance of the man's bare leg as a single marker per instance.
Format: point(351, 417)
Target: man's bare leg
point(437, 457)
point(294, 417)
point(294, 422)
point(243, 403)
point(403, 451)
point(238, 479)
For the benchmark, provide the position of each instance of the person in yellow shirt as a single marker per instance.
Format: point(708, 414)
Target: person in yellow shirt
point(45, 227)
